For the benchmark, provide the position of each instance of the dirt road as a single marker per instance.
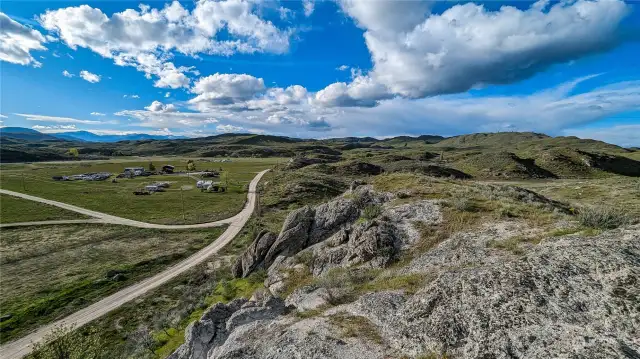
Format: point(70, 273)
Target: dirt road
point(22, 346)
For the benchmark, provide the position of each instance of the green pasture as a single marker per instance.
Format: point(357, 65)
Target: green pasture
point(181, 203)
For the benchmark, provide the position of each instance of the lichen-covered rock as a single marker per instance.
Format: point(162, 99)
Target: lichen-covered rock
point(253, 257)
point(203, 334)
point(293, 236)
point(573, 297)
point(309, 298)
point(330, 216)
point(220, 320)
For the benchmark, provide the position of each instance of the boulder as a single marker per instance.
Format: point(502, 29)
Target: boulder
point(293, 236)
point(309, 298)
point(201, 335)
point(253, 257)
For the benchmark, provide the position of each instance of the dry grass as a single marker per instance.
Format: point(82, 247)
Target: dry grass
point(51, 271)
point(352, 326)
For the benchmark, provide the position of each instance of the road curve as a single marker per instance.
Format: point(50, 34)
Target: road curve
point(100, 217)
point(21, 347)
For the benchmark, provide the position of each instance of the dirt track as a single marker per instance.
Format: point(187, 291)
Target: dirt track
point(22, 346)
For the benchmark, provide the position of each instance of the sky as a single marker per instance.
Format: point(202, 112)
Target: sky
point(318, 69)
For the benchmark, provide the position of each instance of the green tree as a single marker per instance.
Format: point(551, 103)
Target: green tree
point(191, 166)
point(151, 167)
point(73, 152)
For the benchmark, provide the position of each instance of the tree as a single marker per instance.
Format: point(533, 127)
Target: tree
point(73, 152)
point(191, 166)
point(152, 168)
point(66, 343)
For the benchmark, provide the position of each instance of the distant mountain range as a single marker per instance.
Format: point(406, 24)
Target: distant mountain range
point(77, 136)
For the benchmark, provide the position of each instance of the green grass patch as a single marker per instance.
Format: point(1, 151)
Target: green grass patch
point(14, 209)
point(49, 272)
point(118, 198)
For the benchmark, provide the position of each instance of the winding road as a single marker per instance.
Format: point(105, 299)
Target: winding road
point(22, 347)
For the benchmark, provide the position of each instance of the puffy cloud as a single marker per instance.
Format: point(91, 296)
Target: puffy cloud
point(169, 76)
point(225, 89)
point(167, 95)
point(362, 91)
point(66, 73)
point(31, 117)
point(97, 114)
point(146, 38)
point(308, 6)
point(468, 46)
point(17, 41)
point(387, 17)
point(130, 96)
point(89, 77)
point(157, 106)
point(342, 68)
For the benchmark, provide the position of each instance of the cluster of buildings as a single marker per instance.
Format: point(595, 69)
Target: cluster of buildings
point(96, 176)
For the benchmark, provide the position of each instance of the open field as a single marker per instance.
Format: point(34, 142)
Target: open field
point(48, 272)
point(118, 199)
point(617, 192)
point(13, 209)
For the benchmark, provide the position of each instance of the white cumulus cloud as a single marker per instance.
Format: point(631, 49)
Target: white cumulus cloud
point(17, 41)
point(146, 38)
point(157, 106)
point(89, 77)
point(418, 54)
point(97, 114)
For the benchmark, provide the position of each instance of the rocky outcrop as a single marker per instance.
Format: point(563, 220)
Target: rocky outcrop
point(219, 321)
point(253, 257)
point(568, 297)
point(573, 297)
point(307, 226)
point(293, 236)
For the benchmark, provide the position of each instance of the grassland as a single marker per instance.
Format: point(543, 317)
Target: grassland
point(13, 209)
point(118, 199)
point(48, 272)
point(165, 312)
point(618, 192)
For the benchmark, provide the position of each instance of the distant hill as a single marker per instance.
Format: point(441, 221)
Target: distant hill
point(490, 139)
point(25, 134)
point(266, 140)
point(86, 136)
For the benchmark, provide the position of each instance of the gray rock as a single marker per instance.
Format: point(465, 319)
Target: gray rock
point(253, 257)
point(575, 297)
point(293, 236)
point(203, 334)
point(309, 298)
point(330, 216)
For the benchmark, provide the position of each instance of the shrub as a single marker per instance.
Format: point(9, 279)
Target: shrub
point(371, 212)
point(602, 217)
point(462, 204)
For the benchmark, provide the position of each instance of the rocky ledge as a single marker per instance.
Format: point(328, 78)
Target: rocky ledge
point(566, 297)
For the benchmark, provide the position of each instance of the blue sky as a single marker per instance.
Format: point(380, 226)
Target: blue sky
point(323, 68)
